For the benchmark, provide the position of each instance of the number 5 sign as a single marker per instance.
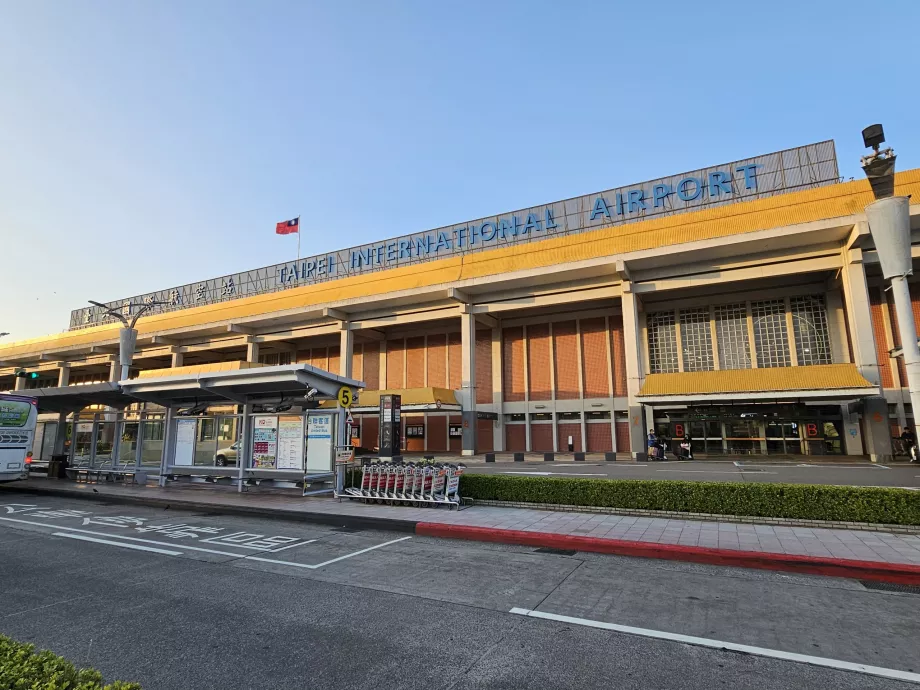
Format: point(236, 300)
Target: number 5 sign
point(346, 397)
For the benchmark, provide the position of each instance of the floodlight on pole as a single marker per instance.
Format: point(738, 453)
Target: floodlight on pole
point(127, 336)
point(889, 224)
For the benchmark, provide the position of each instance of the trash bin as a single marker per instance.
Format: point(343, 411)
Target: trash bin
point(57, 467)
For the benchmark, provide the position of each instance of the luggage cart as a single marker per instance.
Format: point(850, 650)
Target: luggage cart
point(409, 483)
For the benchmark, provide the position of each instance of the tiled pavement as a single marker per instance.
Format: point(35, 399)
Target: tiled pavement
point(858, 545)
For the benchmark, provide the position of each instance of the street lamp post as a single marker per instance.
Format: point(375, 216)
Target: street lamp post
point(889, 224)
point(127, 336)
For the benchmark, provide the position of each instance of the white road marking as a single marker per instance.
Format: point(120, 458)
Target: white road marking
point(197, 548)
point(334, 560)
point(136, 547)
point(716, 472)
point(729, 646)
point(565, 474)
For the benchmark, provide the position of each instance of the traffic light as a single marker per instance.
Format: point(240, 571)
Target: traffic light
point(30, 375)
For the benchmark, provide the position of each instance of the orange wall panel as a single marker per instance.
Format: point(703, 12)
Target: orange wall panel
point(455, 443)
point(414, 445)
point(437, 361)
point(357, 362)
point(623, 437)
point(896, 337)
point(485, 440)
point(565, 358)
point(319, 358)
point(595, 369)
point(513, 364)
point(334, 360)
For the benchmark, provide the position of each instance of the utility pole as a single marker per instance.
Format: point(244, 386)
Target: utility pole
point(889, 224)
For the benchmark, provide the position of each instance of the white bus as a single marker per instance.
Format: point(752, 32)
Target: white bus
point(18, 414)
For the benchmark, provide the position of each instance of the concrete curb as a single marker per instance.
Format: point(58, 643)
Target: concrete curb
point(358, 522)
point(813, 565)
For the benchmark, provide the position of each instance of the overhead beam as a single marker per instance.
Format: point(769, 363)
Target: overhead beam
point(163, 340)
point(622, 270)
point(337, 314)
point(372, 334)
point(237, 328)
point(487, 320)
point(102, 350)
point(458, 296)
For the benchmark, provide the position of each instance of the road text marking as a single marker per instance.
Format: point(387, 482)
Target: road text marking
point(728, 646)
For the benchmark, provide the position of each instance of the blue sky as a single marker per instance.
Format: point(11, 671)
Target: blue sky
point(149, 144)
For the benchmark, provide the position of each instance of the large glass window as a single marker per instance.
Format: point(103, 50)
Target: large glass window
point(152, 441)
point(770, 335)
point(809, 324)
point(696, 339)
point(662, 342)
point(732, 336)
point(127, 449)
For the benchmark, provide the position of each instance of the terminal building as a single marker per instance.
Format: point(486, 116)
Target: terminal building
point(742, 304)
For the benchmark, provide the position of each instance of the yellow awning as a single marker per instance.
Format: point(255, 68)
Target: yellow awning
point(833, 378)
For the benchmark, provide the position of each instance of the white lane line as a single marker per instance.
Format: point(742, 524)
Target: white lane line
point(136, 547)
point(334, 560)
point(566, 474)
point(716, 472)
point(291, 546)
point(198, 548)
point(729, 646)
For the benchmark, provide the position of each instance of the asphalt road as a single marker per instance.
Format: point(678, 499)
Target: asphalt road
point(845, 473)
point(208, 601)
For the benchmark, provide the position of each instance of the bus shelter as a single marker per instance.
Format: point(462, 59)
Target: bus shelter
point(231, 424)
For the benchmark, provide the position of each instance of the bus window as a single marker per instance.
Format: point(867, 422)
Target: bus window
point(18, 415)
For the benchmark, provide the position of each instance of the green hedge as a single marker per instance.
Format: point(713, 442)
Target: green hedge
point(793, 501)
point(22, 668)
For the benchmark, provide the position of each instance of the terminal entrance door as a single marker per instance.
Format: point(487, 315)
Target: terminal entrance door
point(756, 429)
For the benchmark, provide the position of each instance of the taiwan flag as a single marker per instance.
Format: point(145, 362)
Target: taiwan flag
point(287, 227)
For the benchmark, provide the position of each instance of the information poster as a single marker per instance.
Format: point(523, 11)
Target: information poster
point(290, 443)
point(319, 443)
point(264, 442)
point(186, 430)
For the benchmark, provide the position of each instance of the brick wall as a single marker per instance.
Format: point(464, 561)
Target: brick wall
point(513, 364)
point(595, 370)
point(371, 366)
point(599, 437)
point(484, 367)
point(538, 362)
point(485, 440)
point(437, 361)
point(623, 437)
point(618, 352)
point(567, 429)
point(357, 362)
point(565, 359)
point(455, 363)
point(415, 362)
point(395, 361)
point(896, 337)
point(876, 306)
point(333, 365)
point(541, 437)
point(437, 433)
point(413, 445)
point(515, 438)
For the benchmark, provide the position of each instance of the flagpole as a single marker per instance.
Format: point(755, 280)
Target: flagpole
point(298, 238)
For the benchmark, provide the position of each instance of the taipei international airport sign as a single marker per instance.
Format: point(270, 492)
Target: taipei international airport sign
point(791, 170)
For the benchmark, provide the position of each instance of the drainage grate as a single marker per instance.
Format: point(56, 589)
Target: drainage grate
point(555, 552)
point(890, 587)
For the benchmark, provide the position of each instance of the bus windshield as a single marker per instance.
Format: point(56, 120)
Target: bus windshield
point(18, 415)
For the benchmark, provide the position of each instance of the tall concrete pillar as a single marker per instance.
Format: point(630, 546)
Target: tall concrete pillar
point(60, 434)
point(498, 438)
point(114, 369)
point(346, 348)
point(634, 373)
point(64, 375)
point(20, 384)
point(178, 359)
point(252, 352)
point(468, 378)
point(875, 431)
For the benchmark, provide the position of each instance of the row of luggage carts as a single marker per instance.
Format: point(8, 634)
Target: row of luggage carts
point(408, 484)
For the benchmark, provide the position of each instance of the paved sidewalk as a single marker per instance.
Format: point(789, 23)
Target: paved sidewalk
point(682, 539)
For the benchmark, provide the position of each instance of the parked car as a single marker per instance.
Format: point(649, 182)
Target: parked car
point(227, 456)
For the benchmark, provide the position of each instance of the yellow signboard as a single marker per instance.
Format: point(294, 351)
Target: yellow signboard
point(346, 397)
